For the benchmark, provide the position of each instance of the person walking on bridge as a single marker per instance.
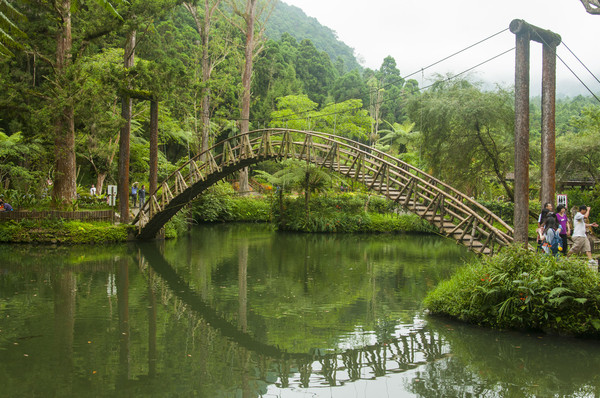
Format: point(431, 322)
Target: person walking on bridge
point(580, 240)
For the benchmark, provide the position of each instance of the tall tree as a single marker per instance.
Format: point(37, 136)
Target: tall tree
point(125, 136)
point(64, 124)
point(467, 134)
point(251, 20)
point(209, 59)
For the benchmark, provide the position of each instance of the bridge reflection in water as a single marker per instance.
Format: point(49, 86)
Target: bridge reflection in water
point(406, 349)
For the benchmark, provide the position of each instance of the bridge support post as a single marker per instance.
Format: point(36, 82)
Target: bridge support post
point(521, 216)
point(548, 186)
point(524, 33)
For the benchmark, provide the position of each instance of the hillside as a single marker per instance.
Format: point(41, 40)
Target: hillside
point(291, 19)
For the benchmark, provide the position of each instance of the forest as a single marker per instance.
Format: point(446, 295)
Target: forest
point(79, 78)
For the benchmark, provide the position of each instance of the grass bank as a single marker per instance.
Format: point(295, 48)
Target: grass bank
point(519, 289)
point(62, 231)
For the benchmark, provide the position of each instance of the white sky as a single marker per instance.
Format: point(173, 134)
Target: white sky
point(419, 33)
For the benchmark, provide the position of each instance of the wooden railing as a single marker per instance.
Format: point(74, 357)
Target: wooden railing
point(455, 214)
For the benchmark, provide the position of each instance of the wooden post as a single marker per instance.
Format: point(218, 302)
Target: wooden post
point(524, 33)
point(548, 186)
point(521, 216)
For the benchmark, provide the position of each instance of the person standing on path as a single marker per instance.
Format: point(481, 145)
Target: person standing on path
point(546, 210)
point(134, 194)
point(142, 195)
point(565, 227)
point(580, 240)
point(93, 190)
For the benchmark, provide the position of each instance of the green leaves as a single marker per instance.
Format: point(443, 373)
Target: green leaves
point(8, 29)
point(524, 290)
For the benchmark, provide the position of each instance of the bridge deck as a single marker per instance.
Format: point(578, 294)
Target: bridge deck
point(454, 214)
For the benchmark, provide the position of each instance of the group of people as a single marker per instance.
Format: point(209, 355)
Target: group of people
point(135, 194)
point(138, 194)
point(554, 229)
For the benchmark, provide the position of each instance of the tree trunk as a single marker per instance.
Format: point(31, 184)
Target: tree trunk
point(153, 183)
point(126, 110)
point(206, 72)
point(203, 27)
point(100, 181)
point(249, 17)
point(65, 188)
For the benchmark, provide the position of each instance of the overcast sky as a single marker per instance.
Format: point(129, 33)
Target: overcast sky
point(419, 33)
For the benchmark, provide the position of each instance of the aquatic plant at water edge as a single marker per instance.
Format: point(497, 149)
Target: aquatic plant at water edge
point(520, 289)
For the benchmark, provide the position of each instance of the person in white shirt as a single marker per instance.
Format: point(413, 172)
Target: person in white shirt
point(580, 240)
point(93, 190)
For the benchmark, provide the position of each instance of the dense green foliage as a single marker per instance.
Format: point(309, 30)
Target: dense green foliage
point(519, 289)
point(303, 78)
point(63, 231)
point(346, 213)
point(221, 203)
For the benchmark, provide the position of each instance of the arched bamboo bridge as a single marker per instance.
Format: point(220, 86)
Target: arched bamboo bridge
point(453, 213)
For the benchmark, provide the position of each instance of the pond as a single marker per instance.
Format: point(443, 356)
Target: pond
point(244, 311)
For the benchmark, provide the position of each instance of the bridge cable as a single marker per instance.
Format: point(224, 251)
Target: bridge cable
point(415, 90)
point(403, 78)
point(581, 62)
point(568, 67)
point(448, 57)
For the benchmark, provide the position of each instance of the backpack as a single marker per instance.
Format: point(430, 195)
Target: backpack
point(554, 241)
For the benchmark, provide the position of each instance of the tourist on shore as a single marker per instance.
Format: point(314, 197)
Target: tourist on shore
point(580, 240)
point(142, 195)
point(134, 194)
point(540, 237)
point(565, 226)
point(93, 190)
point(552, 231)
point(547, 209)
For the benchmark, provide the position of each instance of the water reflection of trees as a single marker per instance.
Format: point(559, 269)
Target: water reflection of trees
point(488, 363)
point(322, 283)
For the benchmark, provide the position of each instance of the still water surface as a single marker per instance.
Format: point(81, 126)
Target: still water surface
point(242, 311)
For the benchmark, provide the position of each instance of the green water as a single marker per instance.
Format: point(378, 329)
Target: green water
point(242, 311)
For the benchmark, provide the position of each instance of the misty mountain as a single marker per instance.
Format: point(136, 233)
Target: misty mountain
point(291, 19)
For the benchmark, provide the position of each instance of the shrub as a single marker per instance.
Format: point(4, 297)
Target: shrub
point(221, 203)
point(214, 204)
point(521, 289)
point(346, 213)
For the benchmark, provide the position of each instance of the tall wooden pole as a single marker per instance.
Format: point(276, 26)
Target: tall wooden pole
point(548, 186)
point(521, 216)
point(524, 33)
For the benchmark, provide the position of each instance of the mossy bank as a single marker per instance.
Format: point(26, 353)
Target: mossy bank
point(62, 231)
